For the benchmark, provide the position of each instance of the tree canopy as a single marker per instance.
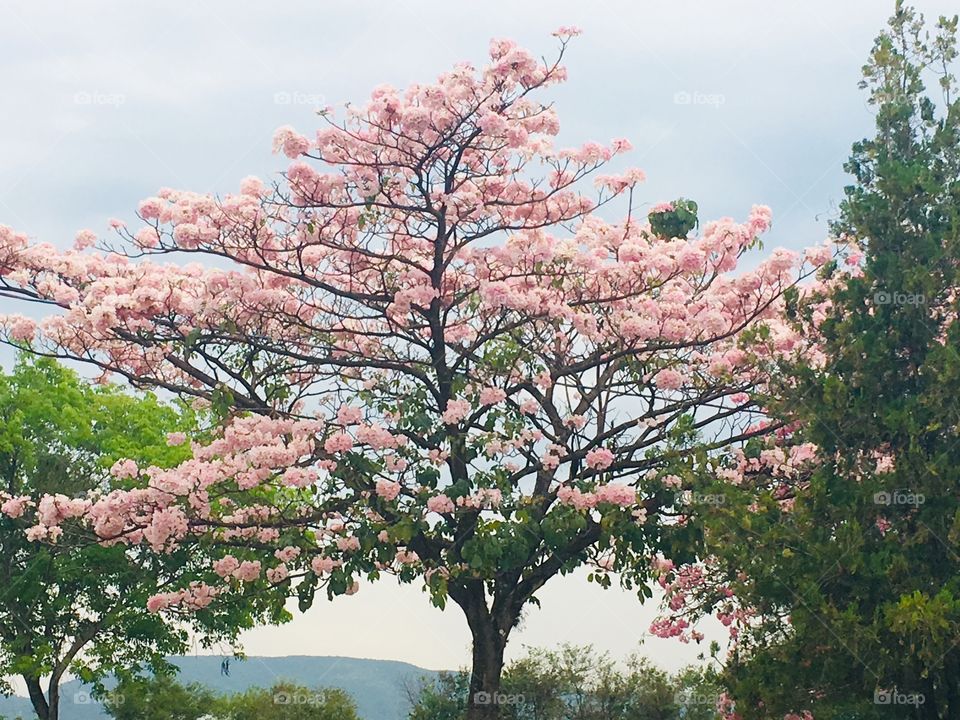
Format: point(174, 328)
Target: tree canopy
point(432, 355)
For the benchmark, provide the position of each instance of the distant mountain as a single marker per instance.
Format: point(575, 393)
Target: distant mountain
point(377, 686)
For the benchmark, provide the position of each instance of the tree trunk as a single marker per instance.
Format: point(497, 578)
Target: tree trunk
point(53, 699)
point(485, 696)
point(490, 632)
point(43, 709)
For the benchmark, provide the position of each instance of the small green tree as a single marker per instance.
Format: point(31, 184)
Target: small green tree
point(289, 701)
point(444, 697)
point(160, 697)
point(163, 697)
point(70, 604)
point(578, 683)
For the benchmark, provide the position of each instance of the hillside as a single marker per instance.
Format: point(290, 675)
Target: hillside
point(377, 686)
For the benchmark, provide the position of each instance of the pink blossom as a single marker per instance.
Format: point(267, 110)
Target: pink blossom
point(225, 566)
point(14, 507)
point(885, 463)
point(348, 544)
point(338, 443)
point(23, 329)
point(573, 496)
point(377, 437)
point(252, 186)
point(407, 557)
point(299, 477)
point(84, 239)
point(456, 411)
point(124, 469)
point(247, 571)
point(395, 464)
point(616, 494)
point(440, 504)
point(529, 407)
point(348, 415)
point(668, 379)
point(149, 209)
point(388, 490)
point(286, 554)
point(322, 565)
point(277, 574)
point(156, 603)
point(492, 396)
point(543, 380)
point(289, 141)
point(599, 459)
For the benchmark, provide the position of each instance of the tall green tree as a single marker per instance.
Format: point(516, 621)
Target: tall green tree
point(69, 604)
point(856, 586)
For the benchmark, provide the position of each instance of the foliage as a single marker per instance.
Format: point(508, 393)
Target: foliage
point(161, 696)
point(289, 701)
point(68, 603)
point(674, 220)
point(845, 572)
point(578, 683)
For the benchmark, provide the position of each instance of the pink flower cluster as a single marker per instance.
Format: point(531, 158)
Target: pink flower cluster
point(388, 490)
point(195, 597)
point(456, 411)
point(440, 504)
point(599, 459)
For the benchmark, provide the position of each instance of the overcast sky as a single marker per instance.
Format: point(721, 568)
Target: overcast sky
point(730, 103)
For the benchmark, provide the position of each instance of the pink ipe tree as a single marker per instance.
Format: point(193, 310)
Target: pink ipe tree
point(431, 356)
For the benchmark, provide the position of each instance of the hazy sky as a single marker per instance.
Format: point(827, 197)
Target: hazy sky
point(729, 102)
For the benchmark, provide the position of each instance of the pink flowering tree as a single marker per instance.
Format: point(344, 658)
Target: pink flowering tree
point(431, 355)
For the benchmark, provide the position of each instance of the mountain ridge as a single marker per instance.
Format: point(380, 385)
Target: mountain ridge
point(377, 686)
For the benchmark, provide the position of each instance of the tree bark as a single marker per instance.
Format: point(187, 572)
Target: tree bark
point(53, 699)
point(490, 633)
point(485, 696)
point(38, 699)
